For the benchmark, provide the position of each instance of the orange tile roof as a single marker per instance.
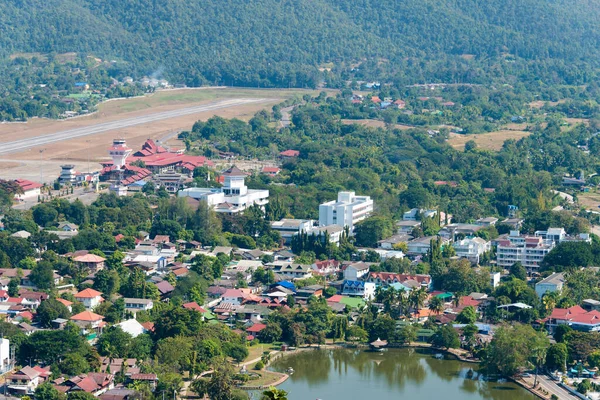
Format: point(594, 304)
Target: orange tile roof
point(88, 294)
point(87, 316)
point(89, 258)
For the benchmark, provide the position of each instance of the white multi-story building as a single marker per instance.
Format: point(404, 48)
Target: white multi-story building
point(531, 250)
point(471, 248)
point(348, 210)
point(287, 227)
point(233, 197)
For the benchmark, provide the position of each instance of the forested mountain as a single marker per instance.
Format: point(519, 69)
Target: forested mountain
point(283, 42)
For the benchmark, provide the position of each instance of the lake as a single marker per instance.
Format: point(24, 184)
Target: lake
point(332, 374)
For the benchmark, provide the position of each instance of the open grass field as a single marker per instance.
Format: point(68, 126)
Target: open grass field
point(488, 141)
point(25, 164)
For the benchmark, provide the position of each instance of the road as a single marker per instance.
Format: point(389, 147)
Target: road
point(550, 386)
point(24, 144)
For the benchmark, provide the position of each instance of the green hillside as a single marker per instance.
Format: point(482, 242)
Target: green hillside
point(282, 42)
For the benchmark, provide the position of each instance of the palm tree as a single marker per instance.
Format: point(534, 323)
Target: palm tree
point(274, 394)
point(436, 305)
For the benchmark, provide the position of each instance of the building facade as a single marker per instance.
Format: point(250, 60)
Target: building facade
point(348, 210)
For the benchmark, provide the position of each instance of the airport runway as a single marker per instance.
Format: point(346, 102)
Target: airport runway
point(20, 145)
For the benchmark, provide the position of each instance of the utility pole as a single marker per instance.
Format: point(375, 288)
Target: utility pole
point(41, 167)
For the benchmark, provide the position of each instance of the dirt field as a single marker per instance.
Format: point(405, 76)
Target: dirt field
point(489, 141)
point(93, 148)
point(590, 200)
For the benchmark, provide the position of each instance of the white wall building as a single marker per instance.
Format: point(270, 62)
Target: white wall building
point(233, 197)
point(288, 227)
point(348, 210)
point(354, 272)
point(552, 283)
point(471, 248)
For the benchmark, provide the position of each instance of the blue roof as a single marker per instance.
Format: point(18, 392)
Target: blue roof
point(138, 183)
point(80, 83)
point(354, 283)
point(287, 285)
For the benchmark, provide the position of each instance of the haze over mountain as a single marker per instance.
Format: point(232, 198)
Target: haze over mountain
point(283, 42)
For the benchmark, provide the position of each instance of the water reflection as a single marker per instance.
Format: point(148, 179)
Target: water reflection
point(350, 373)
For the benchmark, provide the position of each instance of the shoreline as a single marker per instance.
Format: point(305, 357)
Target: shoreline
point(276, 355)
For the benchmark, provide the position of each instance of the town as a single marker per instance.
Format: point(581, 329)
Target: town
point(187, 269)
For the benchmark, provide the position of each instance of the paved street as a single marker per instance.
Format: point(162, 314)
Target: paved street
point(550, 386)
point(24, 144)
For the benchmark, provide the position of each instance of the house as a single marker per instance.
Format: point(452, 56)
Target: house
point(471, 248)
point(451, 231)
point(88, 319)
point(422, 245)
point(134, 305)
point(326, 267)
point(119, 394)
point(66, 303)
point(94, 383)
point(407, 280)
point(311, 290)
point(233, 296)
point(150, 379)
point(406, 227)
point(27, 379)
point(365, 290)
point(21, 235)
point(271, 171)
point(332, 232)
point(347, 211)
point(293, 271)
point(91, 262)
point(488, 221)
point(165, 288)
point(550, 284)
point(67, 227)
point(287, 154)
point(287, 227)
point(390, 242)
point(576, 317)
point(132, 327)
point(355, 271)
point(192, 305)
point(89, 297)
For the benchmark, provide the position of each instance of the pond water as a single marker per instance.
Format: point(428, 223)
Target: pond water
point(332, 374)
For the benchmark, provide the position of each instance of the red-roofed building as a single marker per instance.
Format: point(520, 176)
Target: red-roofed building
point(326, 267)
point(90, 261)
point(89, 319)
point(254, 329)
point(576, 317)
point(233, 296)
point(289, 153)
point(89, 297)
point(30, 189)
point(193, 306)
point(271, 171)
point(66, 303)
point(387, 278)
point(336, 298)
point(400, 104)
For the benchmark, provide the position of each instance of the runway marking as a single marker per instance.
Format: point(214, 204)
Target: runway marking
point(20, 145)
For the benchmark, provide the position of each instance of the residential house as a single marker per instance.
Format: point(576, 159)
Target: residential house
point(271, 171)
point(150, 379)
point(355, 271)
point(93, 383)
point(407, 280)
point(91, 262)
point(394, 240)
point(326, 267)
point(233, 296)
point(488, 221)
point(27, 379)
point(406, 227)
point(88, 319)
point(67, 227)
point(134, 305)
point(90, 298)
point(550, 284)
point(307, 291)
point(293, 271)
point(287, 154)
point(575, 317)
point(365, 290)
point(132, 327)
point(472, 248)
point(119, 394)
point(165, 288)
point(423, 244)
point(451, 231)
